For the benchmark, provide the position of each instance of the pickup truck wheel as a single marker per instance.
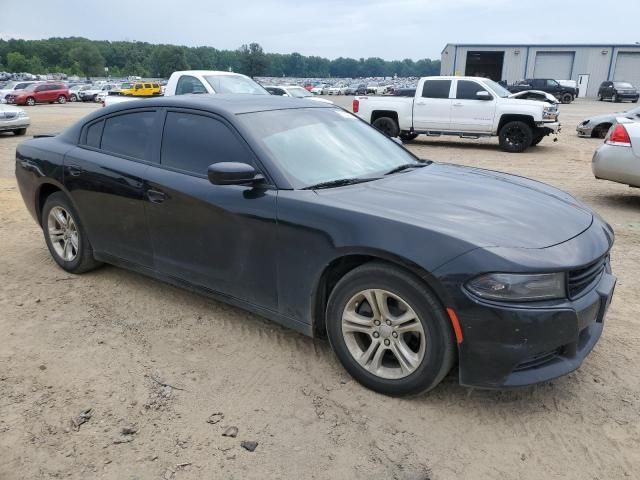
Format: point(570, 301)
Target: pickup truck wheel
point(516, 137)
point(566, 98)
point(387, 125)
point(407, 137)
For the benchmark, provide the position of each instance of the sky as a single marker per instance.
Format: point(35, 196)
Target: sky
point(330, 28)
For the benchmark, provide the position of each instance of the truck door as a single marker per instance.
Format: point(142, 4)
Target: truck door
point(473, 108)
point(432, 106)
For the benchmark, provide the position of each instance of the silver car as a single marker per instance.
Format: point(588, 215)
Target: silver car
point(618, 158)
point(599, 125)
point(13, 119)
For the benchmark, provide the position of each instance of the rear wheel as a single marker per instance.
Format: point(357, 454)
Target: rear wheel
point(62, 99)
point(31, 101)
point(20, 131)
point(387, 125)
point(389, 331)
point(515, 137)
point(65, 236)
point(566, 98)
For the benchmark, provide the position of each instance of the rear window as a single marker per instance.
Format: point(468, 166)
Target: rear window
point(622, 85)
point(129, 134)
point(436, 89)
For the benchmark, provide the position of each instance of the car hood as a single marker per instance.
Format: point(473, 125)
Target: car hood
point(609, 117)
point(4, 107)
point(483, 207)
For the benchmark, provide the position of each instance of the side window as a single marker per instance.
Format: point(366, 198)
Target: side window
point(467, 90)
point(552, 83)
point(138, 86)
point(188, 84)
point(41, 88)
point(94, 132)
point(192, 142)
point(147, 85)
point(129, 134)
point(436, 88)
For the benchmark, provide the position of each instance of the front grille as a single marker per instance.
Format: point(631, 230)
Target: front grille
point(9, 115)
point(538, 359)
point(578, 281)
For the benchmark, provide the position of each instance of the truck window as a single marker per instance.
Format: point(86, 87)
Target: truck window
point(552, 84)
point(188, 84)
point(436, 88)
point(467, 90)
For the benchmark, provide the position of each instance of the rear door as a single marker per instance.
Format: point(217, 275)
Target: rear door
point(105, 176)
point(468, 112)
point(432, 109)
point(221, 237)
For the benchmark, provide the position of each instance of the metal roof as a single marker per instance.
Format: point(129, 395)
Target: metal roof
point(548, 45)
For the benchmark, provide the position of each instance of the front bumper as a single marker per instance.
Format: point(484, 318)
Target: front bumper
point(551, 127)
point(584, 130)
point(511, 345)
point(14, 124)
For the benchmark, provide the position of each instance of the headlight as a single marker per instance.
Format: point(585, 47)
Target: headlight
point(519, 287)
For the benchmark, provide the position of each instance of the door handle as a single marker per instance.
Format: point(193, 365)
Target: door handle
point(74, 170)
point(156, 196)
point(458, 104)
point(420, 103)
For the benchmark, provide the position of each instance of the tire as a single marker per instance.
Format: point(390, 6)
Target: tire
point(387, 125)
point(407, 137)
point(635, 101)
point(515, 137)
point(73, 97)
point(566, 98)
point(20, 131)
point(429, 346)
point(30, 101)
point(600, 98)
point(62, 99)
point(615, 98)
point(74, 258)
point(600, 131)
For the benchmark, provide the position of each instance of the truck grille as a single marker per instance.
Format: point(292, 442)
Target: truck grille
point(578, 281)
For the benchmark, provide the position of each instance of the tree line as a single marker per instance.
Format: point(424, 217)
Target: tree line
point(89, 58)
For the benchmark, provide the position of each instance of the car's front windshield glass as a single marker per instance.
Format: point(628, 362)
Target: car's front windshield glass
point(317, 145)
point(622, 85)
point(299, 92)
point(234, 84)
point(497, 88)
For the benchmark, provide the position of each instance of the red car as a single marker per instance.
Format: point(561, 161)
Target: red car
point(40, 93)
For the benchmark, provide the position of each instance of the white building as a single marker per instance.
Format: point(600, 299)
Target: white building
point(588, 65)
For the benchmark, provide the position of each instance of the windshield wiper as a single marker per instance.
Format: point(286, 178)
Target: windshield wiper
point(406, 166)
point(339, 183)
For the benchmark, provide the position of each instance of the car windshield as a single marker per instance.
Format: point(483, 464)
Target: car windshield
point(31, 87)
point(125, 85)
point(299, 92)
point(317, 145)
point(234, 84)
point(622, 85)
point(497, 88)
point(10, 85)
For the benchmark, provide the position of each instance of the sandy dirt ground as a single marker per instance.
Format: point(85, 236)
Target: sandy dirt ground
point(109, 340)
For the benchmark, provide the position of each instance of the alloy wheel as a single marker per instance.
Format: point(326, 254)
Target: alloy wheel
point(383, 334)
point(63, 233)
point(31, 102)
point(515, 136)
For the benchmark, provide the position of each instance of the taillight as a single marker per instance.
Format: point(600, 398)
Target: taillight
point(619, 136)
point(356, 105)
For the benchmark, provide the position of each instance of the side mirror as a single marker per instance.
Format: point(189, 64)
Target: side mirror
point(483, 95)
point(232, 173)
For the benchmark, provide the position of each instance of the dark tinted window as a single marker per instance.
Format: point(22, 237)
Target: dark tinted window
point(189, 84)
point(193, 142)
point(129, 134)
point(94, 132)
point(436, 89)
point(467, 90)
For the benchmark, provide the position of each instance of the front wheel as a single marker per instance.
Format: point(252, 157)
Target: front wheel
point(615, 98)
point(73, 97)
point(515, 137)
point(389, 331)
point(31, 101)
point(387, 125)
point(407, 136)
point(65, 236)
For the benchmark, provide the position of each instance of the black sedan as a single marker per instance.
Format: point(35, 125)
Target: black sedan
point(302, 213)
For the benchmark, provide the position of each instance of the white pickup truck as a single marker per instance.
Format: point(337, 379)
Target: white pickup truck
point(467, 107)
point(200, 81)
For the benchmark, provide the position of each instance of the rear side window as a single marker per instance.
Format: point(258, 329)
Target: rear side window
point(129, 134)
point(192, 142)
point(436, 89)
point(94, 132)
point(188, 84)
point(467, 90)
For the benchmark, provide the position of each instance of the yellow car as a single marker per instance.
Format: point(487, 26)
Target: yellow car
point(140, 89)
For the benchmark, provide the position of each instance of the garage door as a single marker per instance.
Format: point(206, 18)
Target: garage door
point(628, 68)
point(557, 65)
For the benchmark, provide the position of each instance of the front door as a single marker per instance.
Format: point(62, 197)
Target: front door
point(471, 112)
point(583, 84)
point(432, 109)
point(105, 177)
point(221, 237)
